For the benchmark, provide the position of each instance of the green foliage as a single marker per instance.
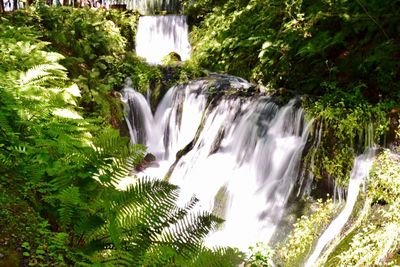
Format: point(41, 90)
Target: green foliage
point(216, 257)
point(299, 243)
point(142, 226)
point(229, 38)
point(84, 33)
point(36, 102)
point(97, 46)
point(67, 168)
point(301, 44)
point(48, 248)
point(126, 21)
point(22, 229)
point(172, 58)
point(349, 125)
point(260, 255)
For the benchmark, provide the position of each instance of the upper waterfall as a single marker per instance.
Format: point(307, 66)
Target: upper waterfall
point(239, 155)
point(157, 36)
point(151, 6)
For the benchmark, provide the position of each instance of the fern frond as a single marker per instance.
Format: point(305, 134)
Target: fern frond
point(88, 223)
point(188, 233)
point(217, 257)
point(119, 258)
point(179, 213)
point(69, 200)
point(41, 73)
point(5, 123)
point(147, 189)
point(114, 156)
point(6, 161)
point(112, 171)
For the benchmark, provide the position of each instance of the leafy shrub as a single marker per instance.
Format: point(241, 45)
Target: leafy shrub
point(97, 46)
point(349, 125)
point(299, 243)
point(299, 45)
point(67, 168)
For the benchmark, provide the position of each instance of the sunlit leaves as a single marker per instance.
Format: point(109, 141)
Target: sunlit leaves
point(68, 166)
point(294, 250)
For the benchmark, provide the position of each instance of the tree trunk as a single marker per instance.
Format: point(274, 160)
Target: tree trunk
point(15, 4)
point(1, 6)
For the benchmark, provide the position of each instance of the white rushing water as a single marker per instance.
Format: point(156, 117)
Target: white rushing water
point(157, 36)
point(149, 6)
point(139, 117)
point(244, 161)
point(361, 168)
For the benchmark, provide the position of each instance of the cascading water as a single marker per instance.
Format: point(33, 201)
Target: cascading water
point(139, 118)
point(241, 155)
point(157, 36)
point(361, 168)
point(307, 176)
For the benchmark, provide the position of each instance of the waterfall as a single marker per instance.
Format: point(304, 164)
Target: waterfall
point(150, 6)
point(157, 36)
point(242, 154)
point(361, 168)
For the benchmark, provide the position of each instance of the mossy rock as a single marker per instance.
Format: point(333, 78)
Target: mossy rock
point(172, 58)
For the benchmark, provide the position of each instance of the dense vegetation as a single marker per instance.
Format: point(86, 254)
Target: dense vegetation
point(60, 162)
point(343, 54)
point(342, 57)
point(61, 154)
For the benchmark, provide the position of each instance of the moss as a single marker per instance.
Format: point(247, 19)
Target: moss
point(172, 58)
point(343, 246)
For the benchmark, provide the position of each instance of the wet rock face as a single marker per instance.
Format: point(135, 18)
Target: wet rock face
point(229, 84)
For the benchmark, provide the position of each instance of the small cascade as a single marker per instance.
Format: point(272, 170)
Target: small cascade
point(142, 128)
point(307, 175)
point(239, 155)
point(157, 36)
point(361, 168)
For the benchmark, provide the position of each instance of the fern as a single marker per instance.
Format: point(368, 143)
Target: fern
point(41, 75)
point(69, 201)
point(144, 221)
point(68, 169)
point(218, 257)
